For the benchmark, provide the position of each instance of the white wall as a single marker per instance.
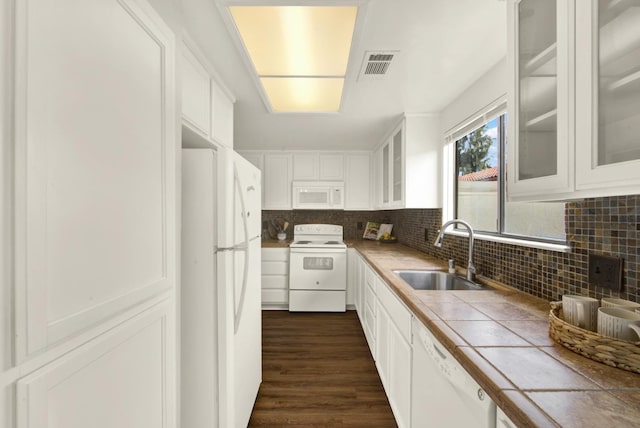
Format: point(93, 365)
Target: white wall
point(489, 87)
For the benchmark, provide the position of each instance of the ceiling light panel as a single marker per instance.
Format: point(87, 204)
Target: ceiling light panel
point(303, 94)
point(297, 40)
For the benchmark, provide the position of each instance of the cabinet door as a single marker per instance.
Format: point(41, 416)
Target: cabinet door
point(196, 93)
point(352, 270)
point(608, 96)
point(386, 174)
point(399, 383)
point(96, 169)
point(357, 182)
point(120, 379)
point(277, 182)
point(541, 136)
point(383, 346)
point(360, 287)
point(331, 167)
point(397, 168)
point(305, 166)
point(222, 120)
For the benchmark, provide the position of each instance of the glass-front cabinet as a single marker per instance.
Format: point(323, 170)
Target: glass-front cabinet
point(574, 104)
point(608, 94)
point(540, 136)
point(396, 149)
point(391, 169)
point(407, 167)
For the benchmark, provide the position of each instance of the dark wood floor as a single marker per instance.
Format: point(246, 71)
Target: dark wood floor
point(318, 372)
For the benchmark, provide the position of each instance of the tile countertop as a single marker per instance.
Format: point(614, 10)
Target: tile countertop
point(274, 243)
point(501, 338)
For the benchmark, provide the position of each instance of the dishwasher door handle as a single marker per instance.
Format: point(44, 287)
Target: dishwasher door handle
point(451, 370)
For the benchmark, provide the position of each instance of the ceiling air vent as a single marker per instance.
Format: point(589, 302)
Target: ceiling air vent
point(376, 64)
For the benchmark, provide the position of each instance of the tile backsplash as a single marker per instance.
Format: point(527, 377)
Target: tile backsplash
point(348, 219)
point(608, 226)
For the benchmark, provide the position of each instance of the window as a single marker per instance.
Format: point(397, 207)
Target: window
point(479, 186)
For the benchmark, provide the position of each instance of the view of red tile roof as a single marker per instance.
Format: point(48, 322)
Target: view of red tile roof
point(489, 174)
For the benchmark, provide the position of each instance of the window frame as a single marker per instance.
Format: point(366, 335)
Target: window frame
point(497, 109)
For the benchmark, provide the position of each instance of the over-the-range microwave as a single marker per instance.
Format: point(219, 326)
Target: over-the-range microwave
point(318, 195)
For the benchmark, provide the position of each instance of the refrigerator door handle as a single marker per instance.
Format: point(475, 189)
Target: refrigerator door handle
point(244, 247)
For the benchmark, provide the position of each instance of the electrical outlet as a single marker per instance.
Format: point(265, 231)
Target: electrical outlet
point(360, 225)
point(605, 271)
point(426, 234)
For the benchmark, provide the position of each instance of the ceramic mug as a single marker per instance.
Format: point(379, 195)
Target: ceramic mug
point(581, 311)
point(619, 323)
point(614, 302)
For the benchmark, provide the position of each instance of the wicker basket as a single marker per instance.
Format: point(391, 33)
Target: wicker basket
point(613, 352)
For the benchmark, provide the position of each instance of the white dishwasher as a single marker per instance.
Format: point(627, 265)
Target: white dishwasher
point(443, 394)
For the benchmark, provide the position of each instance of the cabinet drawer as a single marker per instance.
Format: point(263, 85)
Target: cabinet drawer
point(275, 268)
point(398, 313)
point(279, 282)
point(275, 254)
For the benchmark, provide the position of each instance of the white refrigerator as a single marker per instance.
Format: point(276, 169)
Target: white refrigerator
point(221, 367)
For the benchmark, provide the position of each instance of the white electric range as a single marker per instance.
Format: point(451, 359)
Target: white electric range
point(317, 269)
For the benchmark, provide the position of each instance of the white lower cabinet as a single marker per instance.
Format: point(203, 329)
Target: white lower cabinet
point(353, 260)
point(123, 378)
point(425, 384)
point(399, 382)
point(393, 351)
point(387, 327)
point(275, 278)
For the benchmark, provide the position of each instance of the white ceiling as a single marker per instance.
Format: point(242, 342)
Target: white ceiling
point(445, 45)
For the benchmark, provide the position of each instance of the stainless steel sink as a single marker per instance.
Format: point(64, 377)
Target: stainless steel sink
point(436, 280)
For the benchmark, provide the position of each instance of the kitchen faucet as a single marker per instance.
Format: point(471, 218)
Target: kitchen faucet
point(471, 270)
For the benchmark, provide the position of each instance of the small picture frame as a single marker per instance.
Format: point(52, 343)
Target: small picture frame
point(371, 230)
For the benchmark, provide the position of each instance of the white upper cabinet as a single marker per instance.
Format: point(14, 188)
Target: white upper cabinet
point(277, 182)
point(409, 165)
point(95, 168)
point(574, 103)
point(540, 106)
point(318, 166)
point(305, 166)
point(331, 166)
point(357, 181)
point(196, 88)
point(207, 107)
point(222, 110)
point(608, 96)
